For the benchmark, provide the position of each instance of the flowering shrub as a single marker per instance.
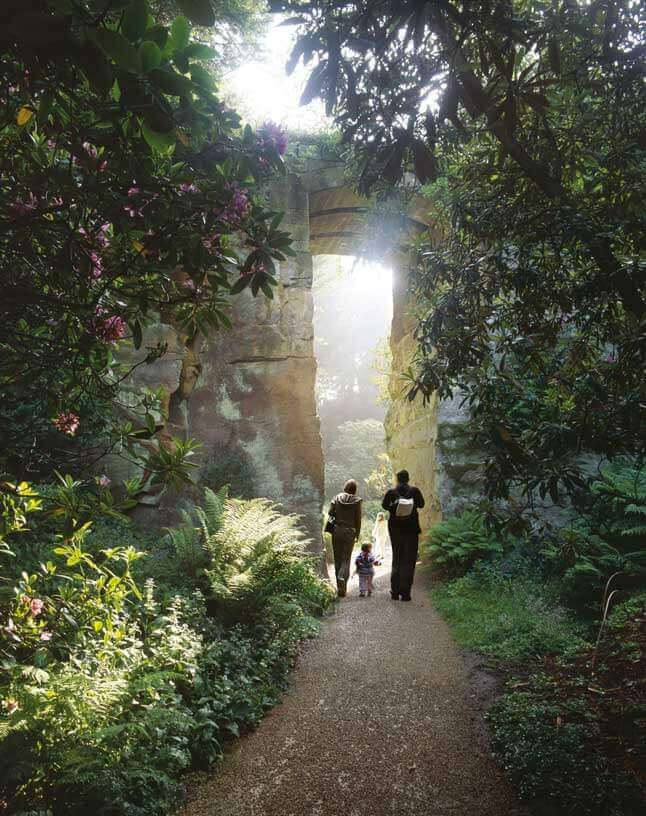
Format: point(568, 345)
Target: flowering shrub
point(127, 189)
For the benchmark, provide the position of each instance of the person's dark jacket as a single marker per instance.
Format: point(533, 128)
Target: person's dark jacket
point(346, 509)
point(405, 491)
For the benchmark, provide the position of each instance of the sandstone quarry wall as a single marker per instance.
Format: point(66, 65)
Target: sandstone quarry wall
point(248, 395)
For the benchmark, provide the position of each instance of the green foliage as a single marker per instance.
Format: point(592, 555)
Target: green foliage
point(356, 451)
point(510, 619)
point(572, 738)
point(112, 686)
point(128, 191)
point(530, 286)
point(606, 538)
point(457, 542)
point(555, 762)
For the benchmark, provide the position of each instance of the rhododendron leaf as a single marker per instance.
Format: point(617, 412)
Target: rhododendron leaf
point(199, 51)
point(137, 334)
point(116, 46)
point(180, 31)
point(202, 77)
point(135, 20)
point(160, 142)
point(157, 34)
point(198, 11)
point(171, 83)
point(242, 283)
point(150, 55)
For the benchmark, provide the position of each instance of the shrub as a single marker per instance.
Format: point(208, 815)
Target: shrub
point(607, 538)
point(456, 543)
point(551, 751)
point(112, 686)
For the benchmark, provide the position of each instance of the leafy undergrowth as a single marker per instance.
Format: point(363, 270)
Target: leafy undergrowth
point(123, 670)
point(570, 737)
point(507, 618)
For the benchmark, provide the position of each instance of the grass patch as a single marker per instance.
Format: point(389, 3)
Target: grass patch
point(506, 618)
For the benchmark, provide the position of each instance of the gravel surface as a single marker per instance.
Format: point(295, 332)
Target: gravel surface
point(379, 721)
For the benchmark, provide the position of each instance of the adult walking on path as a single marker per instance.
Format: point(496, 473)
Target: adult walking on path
point(345, 509)
point(377, 723)
point(402, 502)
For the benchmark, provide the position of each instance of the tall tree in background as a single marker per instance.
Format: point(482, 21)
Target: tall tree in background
point(528, 120)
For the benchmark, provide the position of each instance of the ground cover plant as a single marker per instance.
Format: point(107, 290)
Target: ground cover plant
point(569, 726)
point(123, 668)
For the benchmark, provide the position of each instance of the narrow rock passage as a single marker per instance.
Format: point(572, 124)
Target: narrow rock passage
point(378, 722)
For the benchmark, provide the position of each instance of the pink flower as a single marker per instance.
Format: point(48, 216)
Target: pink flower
point(36, 606)
point(109, 329)
point(45, 636)
point(67, 422)
point(185, 187)
point(93, 154)
point(132, 211)
point(275, 136)
point(96, 267)
point(105, 481)
point(102, 237)
point(24, 208)
point(237, 207)
point(212, 242)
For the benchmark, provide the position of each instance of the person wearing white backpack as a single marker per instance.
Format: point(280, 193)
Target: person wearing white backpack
point(402, 502)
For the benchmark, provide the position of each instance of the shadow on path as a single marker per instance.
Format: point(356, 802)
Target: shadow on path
point(378, 722)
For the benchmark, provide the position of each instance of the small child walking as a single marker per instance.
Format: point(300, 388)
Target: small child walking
point(365, 563)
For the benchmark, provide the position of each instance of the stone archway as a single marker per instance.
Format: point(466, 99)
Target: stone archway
point(248, 395)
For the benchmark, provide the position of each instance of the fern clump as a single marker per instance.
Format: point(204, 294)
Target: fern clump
point(455, 544)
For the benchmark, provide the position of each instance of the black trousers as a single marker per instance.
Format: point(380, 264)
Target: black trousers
point(405, 547)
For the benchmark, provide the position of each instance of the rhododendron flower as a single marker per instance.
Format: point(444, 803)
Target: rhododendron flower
point(26, 207)
point(36, 606)
point(276, 135)
point(109, 329)
point(105, 481)
point(96, 267)
point(237, 208)
point(185, 187)
point(212, 242)
point(67, 422)
point(45, 635)
point(132, 211)
point(93, 154)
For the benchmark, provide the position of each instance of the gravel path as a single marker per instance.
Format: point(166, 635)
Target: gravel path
point(379, 722)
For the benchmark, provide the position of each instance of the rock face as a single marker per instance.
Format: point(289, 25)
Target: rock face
point(254, 400)
point(248, 395)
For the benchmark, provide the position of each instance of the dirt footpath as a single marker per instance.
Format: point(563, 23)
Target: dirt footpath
point(379, 722)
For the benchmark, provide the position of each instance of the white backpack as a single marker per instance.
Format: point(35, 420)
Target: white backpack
point(404, 507)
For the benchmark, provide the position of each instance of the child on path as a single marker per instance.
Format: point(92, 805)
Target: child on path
point(365, 563)
point(380, 536)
